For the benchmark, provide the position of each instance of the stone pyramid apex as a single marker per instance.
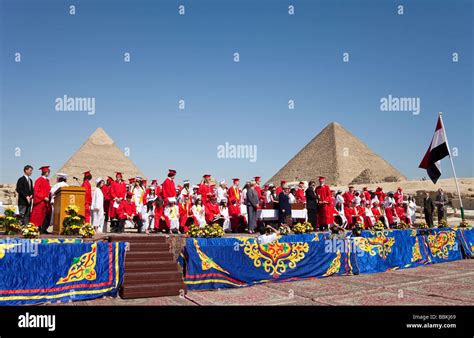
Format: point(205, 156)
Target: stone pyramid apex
point(339, 156)
point(102, 157)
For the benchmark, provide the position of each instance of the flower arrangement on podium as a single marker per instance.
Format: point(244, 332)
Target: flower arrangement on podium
point(464, 224)
point(302, 228)
point(421, 225)
point(10, 222)
point(30, 231)
point(73, 222)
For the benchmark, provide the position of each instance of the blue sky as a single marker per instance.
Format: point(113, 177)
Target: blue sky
point(190, 57)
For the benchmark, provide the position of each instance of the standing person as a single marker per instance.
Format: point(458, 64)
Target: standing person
point(41, 207)
point(348, 195)
point(441, 201)
point(300, 193)
point(281, 187)
point(199, 213)
point(107, 199)
point(224, 213)
point(399, 196)
point(24, 188)
point(258, 189)
point(168, 189)
point(234, 193)
point(205, 188)
point(284, 207)
point(61, 181)
point(312, 203)
point(428, 209)
point(251, 202)
point(325, 212)
point(221, 191)
point(97, 207)
point(88, 197)
point(171, 214)
point(411, 210)
point(118, 190)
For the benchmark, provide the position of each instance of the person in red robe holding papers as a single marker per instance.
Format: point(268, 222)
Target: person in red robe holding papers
point(185, 213)
point(41, 207)
point(280, 188)
point(168, 189)
point(325, 211)
point(233, 194)
point(118, 190)
point(88, 196)
point(300, 193)
point(205, 188)
point(127, 211)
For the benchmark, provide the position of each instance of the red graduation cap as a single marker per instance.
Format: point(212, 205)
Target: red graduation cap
point(206, 176)
point(257, 178)
point(171, 172)
point(109, 178)
point(129, 194)
point(321, 178)
point(86, 173)
point(282, 182)
point(154, 182)
point(301, 182)
point(118, 173)
point(235, 180)
point(44, 168)
point(131, 180)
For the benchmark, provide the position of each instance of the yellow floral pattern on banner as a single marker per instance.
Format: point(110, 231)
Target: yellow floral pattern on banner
point(82, 268)
point(379, 244)
point(335, 266)
point(415, 252)
point(207, 262)
point(275, 257)
point(4, 248)
point(441, 243)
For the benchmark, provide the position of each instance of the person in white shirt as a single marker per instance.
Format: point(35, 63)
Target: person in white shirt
point(97, 207)
point(199, 213)
point(291, 196)
point(172, 213)
point(224, 212)
point(411, 210)
point(61, 182)
point(221, 191)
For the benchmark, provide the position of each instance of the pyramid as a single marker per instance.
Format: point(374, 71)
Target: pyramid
point(102, 157)
point(339, 156)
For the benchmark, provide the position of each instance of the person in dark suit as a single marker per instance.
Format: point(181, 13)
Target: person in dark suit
point(251, 202)
point(284, 207)
point(428, 209)
point(312, 204)
point(441, 202)
point(24, 188)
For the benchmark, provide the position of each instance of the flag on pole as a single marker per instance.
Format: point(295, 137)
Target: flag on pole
point(437, 150)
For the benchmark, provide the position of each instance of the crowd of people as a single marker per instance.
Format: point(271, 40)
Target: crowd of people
point(168, 207)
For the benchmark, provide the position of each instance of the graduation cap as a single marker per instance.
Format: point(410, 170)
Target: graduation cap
point(131, 180)
point(97, 181)
point(154, 182)
point(206, 176)
point(257, 178)
point(171, 172)
point(236, 180)
point(44, 168)
point(61, 175)
point(129, 195)
point(321, 178)
point(109, 178)
point(117, 173)
point(282, 182)
point(301, 182)
point(87, 173)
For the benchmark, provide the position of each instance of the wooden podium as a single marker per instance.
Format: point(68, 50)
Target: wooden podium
point(62, 198)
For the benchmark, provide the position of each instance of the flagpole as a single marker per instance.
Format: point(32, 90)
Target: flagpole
point(440, 114)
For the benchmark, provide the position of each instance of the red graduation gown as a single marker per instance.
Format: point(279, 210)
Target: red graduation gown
point(203, 190)
point(117, 190)
point(233, 193)
point(87, 201)
point(41, 208)
point(211, 210)
point(168, 189)
point(300, 195)
point(325, 211)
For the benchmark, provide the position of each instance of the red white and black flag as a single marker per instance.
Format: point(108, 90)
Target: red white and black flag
point(437, 150)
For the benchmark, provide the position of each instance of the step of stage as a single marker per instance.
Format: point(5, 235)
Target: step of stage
point(152, 290)
point(150, 268)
